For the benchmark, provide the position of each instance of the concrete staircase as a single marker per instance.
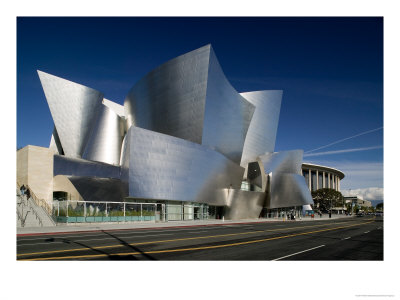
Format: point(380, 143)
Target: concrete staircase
point(31, 215)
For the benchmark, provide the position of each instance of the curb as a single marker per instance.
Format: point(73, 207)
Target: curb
point(143, 228)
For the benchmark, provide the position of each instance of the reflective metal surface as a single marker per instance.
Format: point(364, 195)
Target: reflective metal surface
point(105, 141)
point(243, 204)
point(189, 97)
point(80, 167)
point(262, 131)
point(55, 143)
point(115, 107)
point(286, 186)
point(282, 162)
point(74, 108)
point(227, 115)
point(182, 135)
point(99, 189)
point(168, 168)
point(288, 190)
point(171, 98)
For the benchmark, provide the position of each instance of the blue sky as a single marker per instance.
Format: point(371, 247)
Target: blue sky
point(330, 71)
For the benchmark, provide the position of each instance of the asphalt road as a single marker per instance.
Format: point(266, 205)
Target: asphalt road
point(340, 239)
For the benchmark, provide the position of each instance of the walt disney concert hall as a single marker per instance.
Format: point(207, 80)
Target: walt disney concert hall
point(183, 135)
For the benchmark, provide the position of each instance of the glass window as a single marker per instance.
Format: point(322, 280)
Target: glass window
point(313, 180)
point(320, 181)
point(326, 181)
point(305, 174)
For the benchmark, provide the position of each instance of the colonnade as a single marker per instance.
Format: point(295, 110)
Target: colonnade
point(329, 180)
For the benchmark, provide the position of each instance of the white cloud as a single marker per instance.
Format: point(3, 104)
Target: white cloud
point(372, 193)
point(342, 151)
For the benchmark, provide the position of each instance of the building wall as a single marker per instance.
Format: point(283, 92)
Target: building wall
point(319, 177)
point(35, 169)
point(62, 183)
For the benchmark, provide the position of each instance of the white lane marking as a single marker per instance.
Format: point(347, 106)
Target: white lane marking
point(366, 232)
point(298, 252)
point(106, 238)
point(347, 238)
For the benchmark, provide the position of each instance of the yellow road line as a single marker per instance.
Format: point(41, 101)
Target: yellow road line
point(171, 240)
point(198, 248)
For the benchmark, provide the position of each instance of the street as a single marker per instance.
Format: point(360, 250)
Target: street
point(337, 239)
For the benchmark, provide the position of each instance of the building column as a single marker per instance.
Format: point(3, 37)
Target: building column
point(323, 180)
point(338, 184)
point(309, 179)
point(329, 181)
point(316, 173)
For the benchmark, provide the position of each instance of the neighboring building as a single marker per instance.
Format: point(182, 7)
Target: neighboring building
point(183, 136)
point(319, 177)
point(357, 200)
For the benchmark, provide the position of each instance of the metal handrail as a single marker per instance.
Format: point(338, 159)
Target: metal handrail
point(37, 216)
point(40, 202)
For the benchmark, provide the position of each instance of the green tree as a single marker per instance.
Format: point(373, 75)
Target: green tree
point(323, 198)
point(379, 206)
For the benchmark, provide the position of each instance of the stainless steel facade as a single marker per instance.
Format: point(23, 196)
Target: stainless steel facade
point(55, 143)
point(227, 115)
point(168, 168)
point(190, 98)
point(261, 135)
point(286, 184)
point(105, 141)
point(74, 109)
point(99, 189)
point(243, 204)
point(80, 167)
point(183, 134)
point(171, 98)
point(288, 190)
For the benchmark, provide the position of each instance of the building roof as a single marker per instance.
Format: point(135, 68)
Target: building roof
point(323, 168)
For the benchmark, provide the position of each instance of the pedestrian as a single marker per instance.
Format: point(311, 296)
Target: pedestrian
point(28, 194)
point(22, 189)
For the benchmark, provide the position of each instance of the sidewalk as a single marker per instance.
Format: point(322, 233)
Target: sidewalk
point(82, 227)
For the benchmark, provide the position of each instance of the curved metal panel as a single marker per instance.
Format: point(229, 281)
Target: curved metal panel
point(282, 162)
point(80, 167)
point(289, 190)
point(168, 168)
point(227, 114)
point(99, 189)
point(244, 204)
point(74, 108)
point(170, 99)
point(262, 131)
point(55, 143)
point(105, 142)
point(115, 107)
point(287, 186)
